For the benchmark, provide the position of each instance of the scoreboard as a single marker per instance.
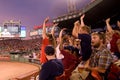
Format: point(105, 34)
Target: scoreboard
point(12, 31)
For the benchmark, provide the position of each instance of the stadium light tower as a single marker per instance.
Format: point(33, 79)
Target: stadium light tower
point(71, 5)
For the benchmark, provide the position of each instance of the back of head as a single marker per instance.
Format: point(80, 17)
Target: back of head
point(86, 28)
point(49, 35)
point(51, 39)
point(49, 50)
point(70, 48)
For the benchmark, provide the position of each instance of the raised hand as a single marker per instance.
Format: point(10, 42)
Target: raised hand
point(76, 22)
point(64, 29)
point(81, 18)
point(46, 19)
point(107, 20)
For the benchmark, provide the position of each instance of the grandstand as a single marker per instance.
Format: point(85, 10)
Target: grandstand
point(17, 54)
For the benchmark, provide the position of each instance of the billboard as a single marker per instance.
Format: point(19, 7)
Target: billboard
point(40, 31)
point(34, 33)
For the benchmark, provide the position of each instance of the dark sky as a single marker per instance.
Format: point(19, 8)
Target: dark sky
point(33, 12)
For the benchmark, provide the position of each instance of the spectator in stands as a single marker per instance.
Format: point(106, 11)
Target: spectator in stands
point(115, 39)
point(66, 50)
point(118, 23)
point(30, 57)
point(69, 59)
point(100, 59)
point(48, 38)
point(118, 45)
point(34, 54)
point(108, 39)
point(81, 31)
point(53, 67)
point(77, 48)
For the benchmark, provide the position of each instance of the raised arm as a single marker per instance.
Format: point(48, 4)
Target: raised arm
point(60, 35)
point(59, 46)
point(81, 20)
point(44, 27)
point(52, 30)
point(109, 27)
point(75, 30)
point(70, 40)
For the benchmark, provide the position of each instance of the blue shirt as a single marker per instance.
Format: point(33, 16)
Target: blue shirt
point(51, 69)
point(85, 46)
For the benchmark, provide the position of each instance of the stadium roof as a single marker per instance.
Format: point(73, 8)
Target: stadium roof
point(96, 13)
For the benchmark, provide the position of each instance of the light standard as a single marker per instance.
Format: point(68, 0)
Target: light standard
point(71, 5)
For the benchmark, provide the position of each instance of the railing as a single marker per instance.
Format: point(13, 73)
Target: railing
point(34, 75)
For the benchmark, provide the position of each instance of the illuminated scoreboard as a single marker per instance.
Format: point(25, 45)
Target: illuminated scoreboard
point(12, 29)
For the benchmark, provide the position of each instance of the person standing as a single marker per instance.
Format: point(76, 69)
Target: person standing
point(53, 67)
point(115, 38)
point(99, 61)
point(101, 57)
point(48, 38)
point(82, 32)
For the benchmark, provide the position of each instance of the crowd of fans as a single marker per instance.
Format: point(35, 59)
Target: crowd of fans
point(97, 50)
point(93, 52)
point(18, 45)
point(29, 49)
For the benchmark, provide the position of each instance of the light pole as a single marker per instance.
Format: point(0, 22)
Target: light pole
point(71, 5)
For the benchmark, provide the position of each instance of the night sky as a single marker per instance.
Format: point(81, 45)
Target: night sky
point(33, 12)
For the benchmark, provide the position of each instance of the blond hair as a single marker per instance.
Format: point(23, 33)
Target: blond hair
point(86, 28)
